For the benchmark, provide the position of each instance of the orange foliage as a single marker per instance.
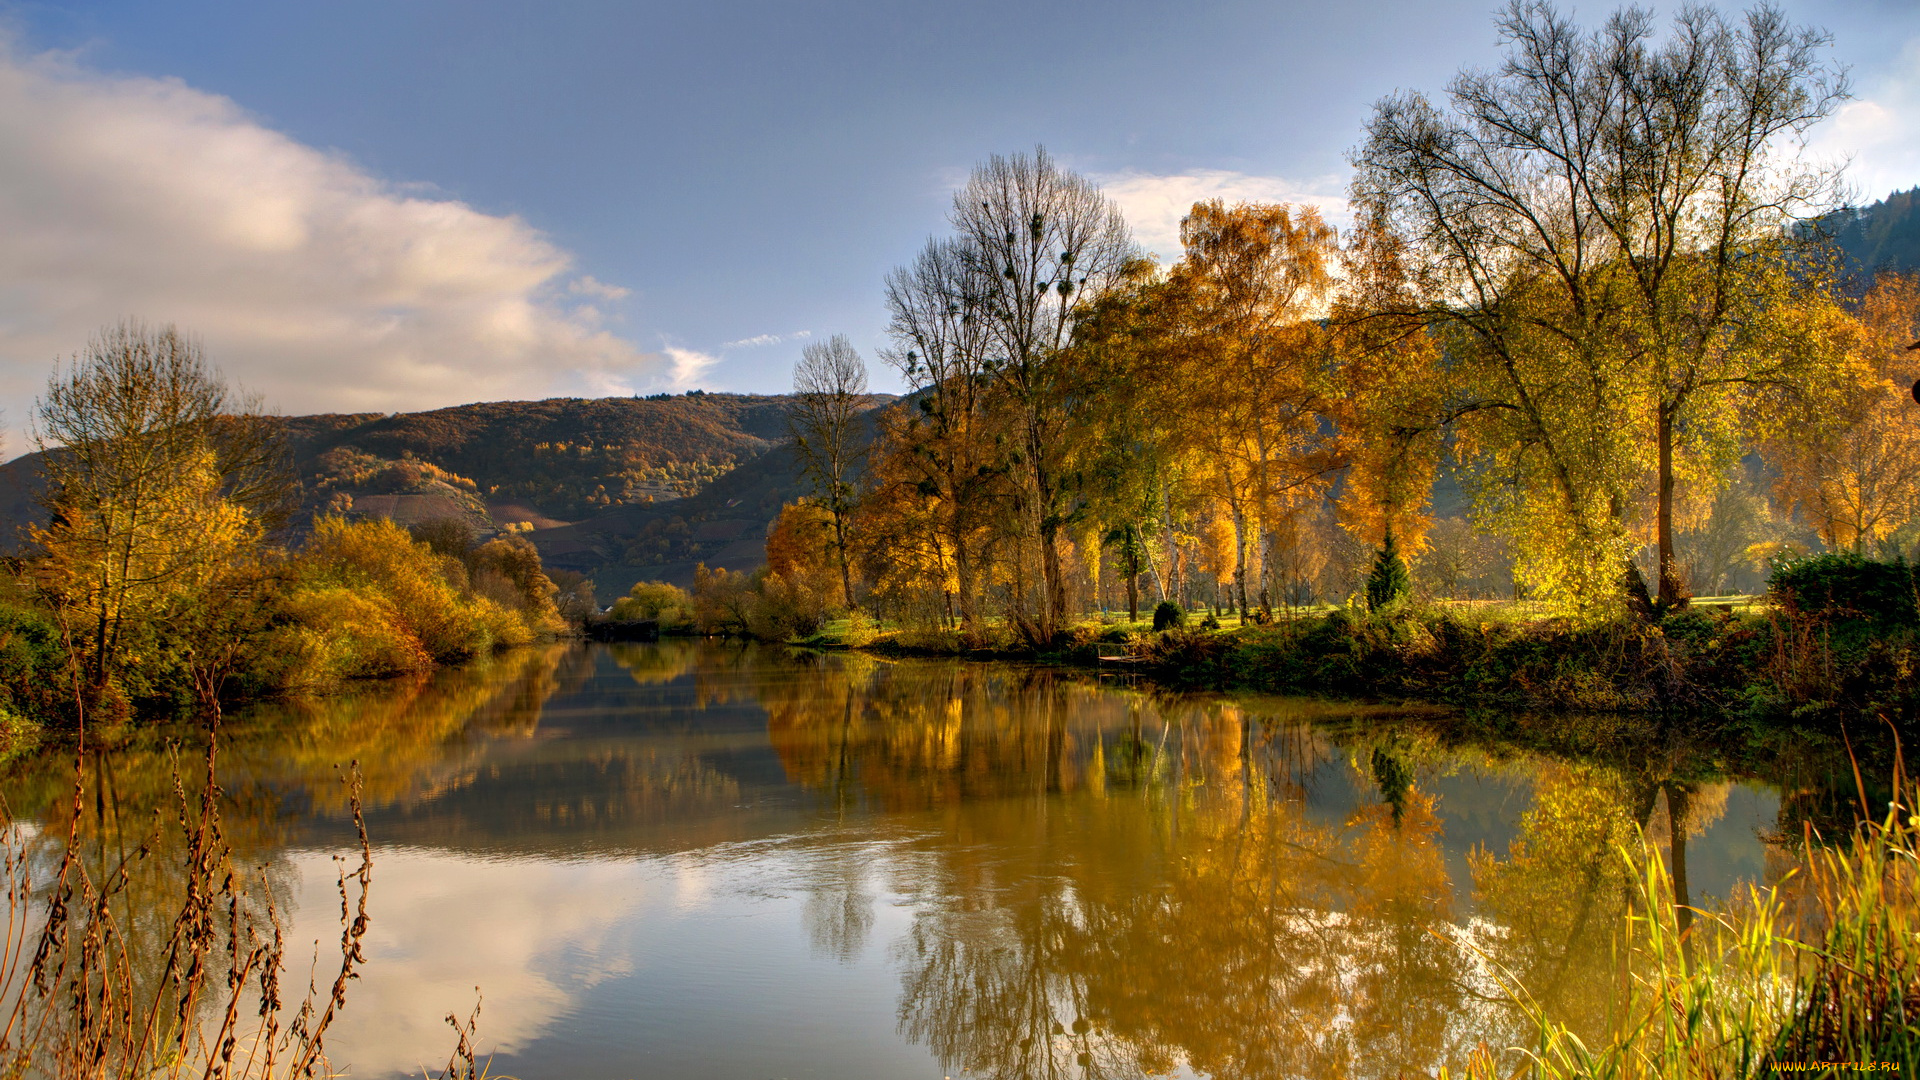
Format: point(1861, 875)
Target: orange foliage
point(1391, 398)
point(1857, 475)
point(800, 549)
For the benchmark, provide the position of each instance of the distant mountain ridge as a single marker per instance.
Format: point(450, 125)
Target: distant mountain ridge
point(1880, 237)
point(572, 457)
point(619, 489)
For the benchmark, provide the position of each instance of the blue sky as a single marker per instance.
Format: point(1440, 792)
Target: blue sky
point(397, 205)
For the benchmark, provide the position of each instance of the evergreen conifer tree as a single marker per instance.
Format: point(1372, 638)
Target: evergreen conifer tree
point(1389, 579)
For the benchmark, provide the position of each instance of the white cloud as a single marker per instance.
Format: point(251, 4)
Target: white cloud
point(307, 279)
point(444, 925)
point(1154, 204)
point(686, 366)
point(588, 285)
point(1880, 131)
point(758, 340)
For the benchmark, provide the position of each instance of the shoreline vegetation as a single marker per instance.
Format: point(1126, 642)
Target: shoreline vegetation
point(165, 578)
point(1834, 641)
point(1640, 368)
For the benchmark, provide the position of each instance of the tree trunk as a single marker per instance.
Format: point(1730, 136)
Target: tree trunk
point(1133, 597)
point(1266, 574)
point(840, 547)
point(1240, 558)
point(1679, 804)
point(963, 573)
point(1054, 603)
point(1173, 584)
point(1672, 590)
point(1144, 555)
point(100, 647)
point(1019, 610)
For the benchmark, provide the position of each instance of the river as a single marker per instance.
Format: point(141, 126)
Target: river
point(703, 859)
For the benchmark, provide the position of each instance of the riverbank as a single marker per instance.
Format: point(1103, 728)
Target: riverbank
point(359, 601)
point(1752, 662)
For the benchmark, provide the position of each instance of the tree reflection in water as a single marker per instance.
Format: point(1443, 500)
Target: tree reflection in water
point(1094, 881)
point(1117, 884)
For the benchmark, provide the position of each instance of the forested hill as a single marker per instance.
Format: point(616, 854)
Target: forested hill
point(1883, 236)
point(566, 457)
point(614, 488)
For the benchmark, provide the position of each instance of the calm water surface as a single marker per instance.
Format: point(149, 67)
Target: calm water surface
point(702, 860)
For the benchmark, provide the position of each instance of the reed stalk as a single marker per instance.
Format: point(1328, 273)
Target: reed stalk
point(1817, 974)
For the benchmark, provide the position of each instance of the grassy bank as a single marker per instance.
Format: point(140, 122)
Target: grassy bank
point(1762, 662)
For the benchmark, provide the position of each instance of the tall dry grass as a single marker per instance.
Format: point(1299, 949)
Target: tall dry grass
point(97, 982)
point(1817, 974)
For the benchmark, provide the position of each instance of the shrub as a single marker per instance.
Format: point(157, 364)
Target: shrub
point(669, 605)
point(515, 559)
point(783, 608)
point(19, 735)
point(445, 535)
point(381, 559)
point(722, 601)
point(365, 599)
point(861, 630)
point(1167, 615)
point(336, 633)
point(31, 661)
point(1844, 585)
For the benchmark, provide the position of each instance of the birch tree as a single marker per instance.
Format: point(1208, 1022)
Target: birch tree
point(1252, 364)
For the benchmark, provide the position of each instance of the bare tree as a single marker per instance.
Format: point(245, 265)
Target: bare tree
point(1598, 226)
point(154, 470)
point(1036, 240)
point(941, 349)
point(830, 393)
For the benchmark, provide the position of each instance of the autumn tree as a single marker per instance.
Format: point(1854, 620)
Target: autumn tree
point(941, 445)
point(1250, 362)
point(906, 525)
point(1136, 451)
point(802, 566)
point(830, 393)
point(1853, 469)
point(1210, 389)
point(1597, 232)
point(1727, 546)
point(1391, 403)
point(156, 476)
point(1035, 240)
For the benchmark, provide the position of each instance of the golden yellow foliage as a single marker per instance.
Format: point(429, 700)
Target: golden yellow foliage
point(801, 548)
point(1854, 468)
point(366, 599)
point(1392, 397)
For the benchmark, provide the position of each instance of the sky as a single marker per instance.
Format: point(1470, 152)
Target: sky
point(380, 207)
